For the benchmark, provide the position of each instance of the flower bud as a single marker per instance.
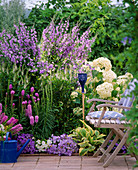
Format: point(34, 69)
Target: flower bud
point(10, 87)
point(22, 92)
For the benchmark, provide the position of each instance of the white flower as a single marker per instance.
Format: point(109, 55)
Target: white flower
point(43, 143)
point(74, 94)
point(1, 127)
point(109, 76)
point(102, 63)
point(49, 142)
point(38, 141)
point(104, 90)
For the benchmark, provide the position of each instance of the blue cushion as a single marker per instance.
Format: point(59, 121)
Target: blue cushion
point(108, 114)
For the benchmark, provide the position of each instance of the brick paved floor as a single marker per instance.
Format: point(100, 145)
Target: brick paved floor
point(68, 163)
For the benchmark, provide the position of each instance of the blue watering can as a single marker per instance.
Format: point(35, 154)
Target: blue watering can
point(8, 150)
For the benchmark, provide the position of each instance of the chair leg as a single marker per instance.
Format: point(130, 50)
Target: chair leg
point(104, 143)
point(113, 155)
point(106, 152)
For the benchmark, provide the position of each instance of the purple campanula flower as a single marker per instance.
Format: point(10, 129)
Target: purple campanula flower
point(124, 41)
point(129, 40)
point(10, 87)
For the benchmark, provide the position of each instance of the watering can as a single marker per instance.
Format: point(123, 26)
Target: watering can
point(8, 150)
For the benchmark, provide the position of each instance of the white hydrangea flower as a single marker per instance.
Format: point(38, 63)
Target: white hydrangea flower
point(102, 63)
point(129, 76)
point(104, 90)
point(109, 76)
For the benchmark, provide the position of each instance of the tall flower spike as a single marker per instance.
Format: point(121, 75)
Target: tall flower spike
point(32, 120)
point(36, 119)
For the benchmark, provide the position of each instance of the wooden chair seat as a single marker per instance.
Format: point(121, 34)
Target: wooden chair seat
point(114, 121)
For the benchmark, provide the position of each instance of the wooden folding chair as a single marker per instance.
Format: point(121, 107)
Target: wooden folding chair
point(112, 120)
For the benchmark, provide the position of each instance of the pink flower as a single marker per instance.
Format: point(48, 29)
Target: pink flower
point(34, 97)
point(36, 118)
point(28, 96)
point(29, 108)
point(0, 108)
point(16, 128)
point(10, 87)
point(6, 93)
point(13, 105)
point(26, 112)
point(36, 94)
point(32, 89)
point(25, 102)
point(12, 92)
point(32, 120)
point(29, 102)
point(10, 121)
point(38, 99)
point(4, 118)
point(22, 92)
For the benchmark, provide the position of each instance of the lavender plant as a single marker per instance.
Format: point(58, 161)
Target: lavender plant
point(62, 145)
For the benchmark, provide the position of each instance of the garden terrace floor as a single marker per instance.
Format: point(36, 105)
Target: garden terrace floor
point(67, 163)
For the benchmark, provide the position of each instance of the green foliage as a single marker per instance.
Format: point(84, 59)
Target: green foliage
point(65, 119)
point(87, 138)
point(131, 52)
point(11, 12)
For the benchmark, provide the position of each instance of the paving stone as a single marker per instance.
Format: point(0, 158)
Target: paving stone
point(85, 167)
point(71, 157)
point(71, 162)
point(116, 168)
point(70, 166)
point(42, 166)
point(131, 160)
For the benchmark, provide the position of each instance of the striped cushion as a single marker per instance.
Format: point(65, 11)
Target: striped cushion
point(108, 114)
